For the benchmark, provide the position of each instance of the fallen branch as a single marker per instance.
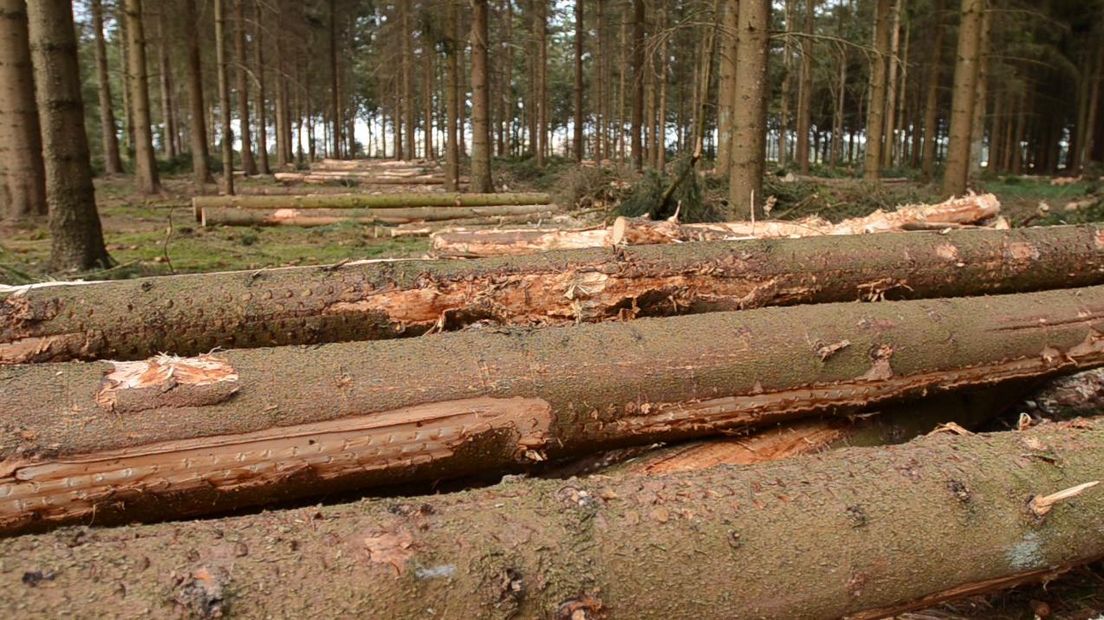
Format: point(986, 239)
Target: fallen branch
point(859, 533)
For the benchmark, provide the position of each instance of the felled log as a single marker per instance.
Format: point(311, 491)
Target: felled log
point(231, 216)
point(857, 533)
point(629, 231)
point(368, 201)
point(356, 179)
point(181, 436)
point(372, 164)
point(193, 314)
point(480, 243)
point(966, 210)
point(1063, 398)
point(895, 424)
point(550, 221)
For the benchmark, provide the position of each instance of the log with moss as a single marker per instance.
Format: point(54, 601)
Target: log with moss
point(217, 216)
point(193, 314)
point(954, 213)
point(368, 201)
point(857, 533)
point(176, 436)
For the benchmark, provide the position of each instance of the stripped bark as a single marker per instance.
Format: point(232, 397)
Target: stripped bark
point(182, 436)
point(216, 216)
point(968, 210)
point(843, 545)
point(193, 314)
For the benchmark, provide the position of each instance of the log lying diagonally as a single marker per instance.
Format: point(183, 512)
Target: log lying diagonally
point(214, 216)
point(825, 536)
point(193, 314)
point(172, 436)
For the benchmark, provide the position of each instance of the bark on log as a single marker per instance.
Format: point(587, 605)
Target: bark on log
point(840, 534)
point(627, 231)
point(193, 314)
point(480, 243)
point(551, 222)
point(180, 436)
point(894, 424)
point(215, 216)
point(368, 201)
point(1064, 398)
point(312, 178)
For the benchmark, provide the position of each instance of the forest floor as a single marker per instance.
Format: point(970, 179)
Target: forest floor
point(157, 235)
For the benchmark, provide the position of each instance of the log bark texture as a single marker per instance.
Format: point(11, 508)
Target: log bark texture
point(193, 314)
point(172, 437)
point(368, 201)
point(215, 216)
point(823, 536)
point(481, 243)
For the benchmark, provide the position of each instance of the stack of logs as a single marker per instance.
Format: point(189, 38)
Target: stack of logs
point(233, 391)
point(368, 172)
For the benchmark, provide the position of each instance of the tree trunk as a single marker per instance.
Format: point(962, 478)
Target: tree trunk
point(113, 164)
point(805, 93)
point(229, 216)
point(981, 93)
point(22, 175)
point(555, 548)
point(957, 170)
point(540, 77)
point(261, 100)
point(249, 165)
point(370, 201)
point(145, 160)
point(76, 237)
point(452, 98)
point(749, 120)
point(637, 119)
point(335, 100)
point(726, 89)
point(577, 141)
point(429, 59)
point(840, 106)
point(931, 99)
point(201, 175)
point(139, 318)
point(481, 181)
point(892, 91)
point(787, 85)
point(224, 97)
point(875, 114)
point(661, 113)
point(408, 80)
point(168, 122)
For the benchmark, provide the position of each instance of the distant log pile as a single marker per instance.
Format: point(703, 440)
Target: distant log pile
point(955, 213)
point(368, 172)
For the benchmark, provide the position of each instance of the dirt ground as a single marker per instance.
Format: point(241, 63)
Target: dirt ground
point(157, 236)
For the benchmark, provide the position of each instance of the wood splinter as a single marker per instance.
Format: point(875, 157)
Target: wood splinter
point(1040, 506)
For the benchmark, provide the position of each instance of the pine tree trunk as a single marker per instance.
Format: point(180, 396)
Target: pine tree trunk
point(749, 123)
point(892, 91)
point(875, 114)
point(805, 92)
point(481, 181)
point(249, 164)
point(840, 103)
point(201, 175)
point(113, 164)
point(981, 102)
point(661, 138)
point(168, 123)
point(452, 98)
point(145, 160)
point(260, 104)
point(578, 145)
point(76, 237)
point(22, 175)
point(224, 97)
point(637, 120)
point(335, 91)
point(931, 100)
point(540, 28)
point(429, 61)
point(957, 170)
point(726, 88)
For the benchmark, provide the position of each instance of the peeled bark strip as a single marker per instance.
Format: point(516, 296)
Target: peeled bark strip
point(180, 436)
point(480, 243)
point(215, 216)
point(193, 314)
point(628, 231)
point(368, 201)
point(839, 534)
